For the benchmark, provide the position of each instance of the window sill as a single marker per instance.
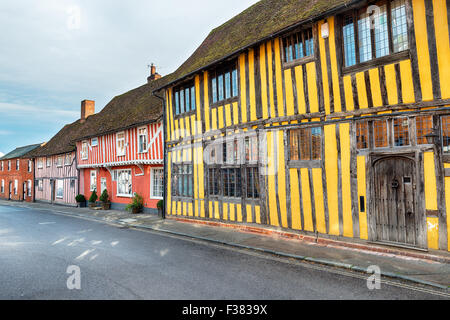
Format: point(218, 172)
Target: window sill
point(298, 62)
point(124, 195)
point(224, 102)
point(394, 57)
point(184, 114)
point(156, 198)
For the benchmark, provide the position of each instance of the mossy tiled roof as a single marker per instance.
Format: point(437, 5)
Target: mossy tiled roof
point(258, 22)
point(21, 152)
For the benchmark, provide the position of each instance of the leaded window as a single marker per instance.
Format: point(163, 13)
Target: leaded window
point(374, 32)
point(401, 132)
point(184, 99)
point(305, 143)
point(298, 45)
point(224, 83)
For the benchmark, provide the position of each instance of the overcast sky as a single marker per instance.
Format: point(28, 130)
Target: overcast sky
point(55, 53)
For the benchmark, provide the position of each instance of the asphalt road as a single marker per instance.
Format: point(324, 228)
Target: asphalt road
point(37, 247)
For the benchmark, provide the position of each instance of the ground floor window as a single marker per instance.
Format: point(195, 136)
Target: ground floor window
point(213, 181)
point(124, 183)
point(445, 123)
point(3, 187)
point(182, 180)
point(93, 181)
point(157, 183)
point(16, 186)
point(232, 182)
point(59, 188)
point(252, 176)
point(29, 188)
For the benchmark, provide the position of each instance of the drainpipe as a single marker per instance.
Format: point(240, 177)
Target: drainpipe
point(164, 152)
point(34, 182)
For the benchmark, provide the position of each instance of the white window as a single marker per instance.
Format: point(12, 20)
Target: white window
point(157, 183)
point(3, 186)
point(93, 180)
point(2, 165)
point(120, 143)
point(16, 185)
point(17, 164)
point(142, 138)
point(124, 183)
point(40, 185)
point(39, 163)
point(67, 160)
point(59, 161)
point(49, 162)
point(94, 142)
point(29, 188)
point(30, 165)
point(59, 188)
point(9, 165)
point(84, 150)
point(102, 185)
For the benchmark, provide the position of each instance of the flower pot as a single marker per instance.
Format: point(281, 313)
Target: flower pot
point(92, 205)
point(135, 210)
point(82, 204)
point(106, 205)
point(160, 212)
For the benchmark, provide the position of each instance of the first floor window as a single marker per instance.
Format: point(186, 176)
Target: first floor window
point(59, 188)
point(120, 143)
point(157, 183)
point(298, 45)
point(252, 174)
point(84, 150)
point(2, 165)
point(184, 98)
point(29, 165)
point(380, 134)
point(59, 161)
point(67, 160)
point(49, 162)
point(9, 165)
point(3, 186)
point(182, 179)
point(251, 149)
point(94, 142)
point(124, 184)
point(142, 134)
point(93, 182)
point(17, 164)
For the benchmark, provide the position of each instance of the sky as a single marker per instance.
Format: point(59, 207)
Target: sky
point(56, 53)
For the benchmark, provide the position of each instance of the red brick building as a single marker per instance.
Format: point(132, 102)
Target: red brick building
point(16, 174)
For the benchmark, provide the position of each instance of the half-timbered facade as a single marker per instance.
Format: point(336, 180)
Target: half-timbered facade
point(16, 174)
point(56, 176)
point(329, 118)
point(123, 150)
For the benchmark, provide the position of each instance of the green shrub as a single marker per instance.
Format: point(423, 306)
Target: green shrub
point(80, 198)
point(104, 197)
point(137, 203)
point(160, 204)
point(93, 197)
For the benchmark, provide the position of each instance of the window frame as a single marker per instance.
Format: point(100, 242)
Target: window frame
point(152, 184)
point(92, 142)
point(59, 161)
point(388, 58)
point(139, 139)
point(302, 163)
point(17, 164)
point(441, 135)
point(67, 156)
point(90, 180)
point(176, 176)
point(305, 59)
point(220, 71)
point(2, 187)
point(84, 150)
point(176, 99)
point(124, 153)
point(58, 188)
point(123, 195)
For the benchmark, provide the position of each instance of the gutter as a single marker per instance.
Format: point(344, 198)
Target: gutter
point(273, 35)
point(164, 150)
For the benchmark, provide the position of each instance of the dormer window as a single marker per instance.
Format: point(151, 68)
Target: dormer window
point(298, 45)
point(94, 142)
point(184, 98)
point(374, 33)
point(224, 83)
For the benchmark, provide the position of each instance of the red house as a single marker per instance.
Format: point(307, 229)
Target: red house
point(16, 174)
point(122, 150)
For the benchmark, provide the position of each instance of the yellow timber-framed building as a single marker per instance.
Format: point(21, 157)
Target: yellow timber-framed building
point(328, 118)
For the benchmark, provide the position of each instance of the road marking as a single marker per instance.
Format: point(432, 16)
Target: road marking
point(114, 243)
point(44, 223)
point(95, 242)
point(59, 241)
point(74, 242)
point(85, 253)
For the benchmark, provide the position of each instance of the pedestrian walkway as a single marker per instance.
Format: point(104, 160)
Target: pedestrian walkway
point(426, 268)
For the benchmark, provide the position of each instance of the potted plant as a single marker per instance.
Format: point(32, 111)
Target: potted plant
point(93, 199)
point(136, 205)
point(160, 206)
point(81, 200)
point(104, 199)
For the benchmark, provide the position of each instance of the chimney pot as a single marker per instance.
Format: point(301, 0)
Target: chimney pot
point(153, 74)
point(87, 109)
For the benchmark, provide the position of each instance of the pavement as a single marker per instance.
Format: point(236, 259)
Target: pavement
point(427, 269)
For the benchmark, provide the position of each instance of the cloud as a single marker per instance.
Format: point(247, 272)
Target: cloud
point(26, 112)
point(1, 154)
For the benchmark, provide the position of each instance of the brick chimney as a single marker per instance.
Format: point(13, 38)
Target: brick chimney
point(153, 74)
point(87, 109)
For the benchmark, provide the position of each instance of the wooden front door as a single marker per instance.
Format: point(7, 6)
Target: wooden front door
point(394, 200)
